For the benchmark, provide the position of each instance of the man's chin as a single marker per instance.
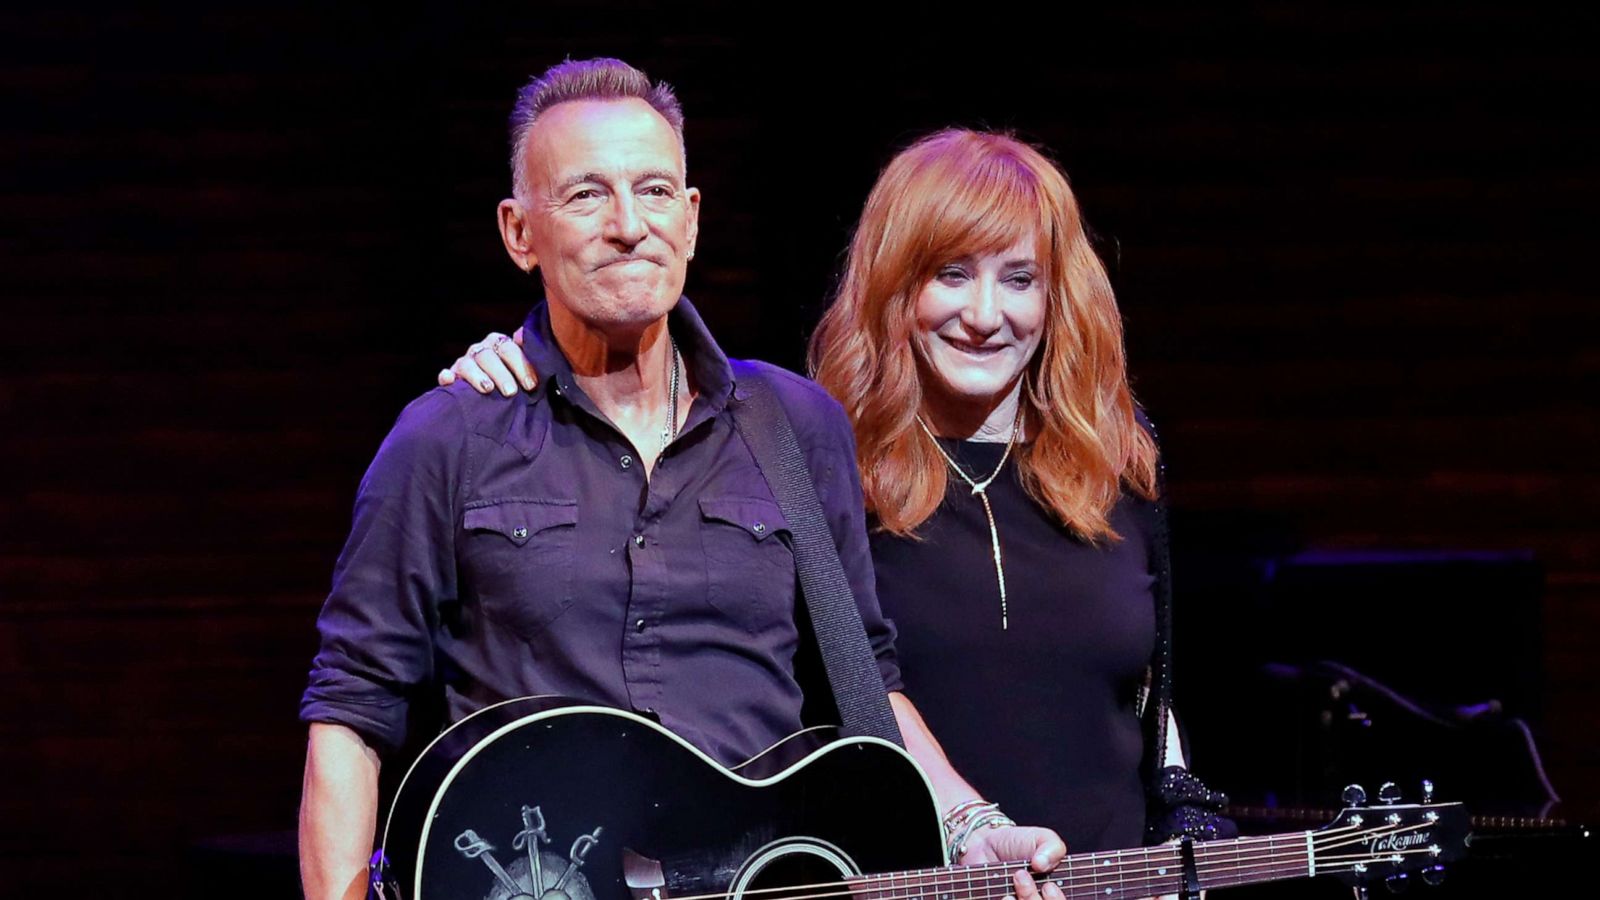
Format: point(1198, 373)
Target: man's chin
point(625, 314)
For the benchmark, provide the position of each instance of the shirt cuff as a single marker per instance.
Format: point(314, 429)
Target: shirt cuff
point(338, 698)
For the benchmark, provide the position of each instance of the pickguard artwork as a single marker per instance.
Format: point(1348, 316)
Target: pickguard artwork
point(539, 874)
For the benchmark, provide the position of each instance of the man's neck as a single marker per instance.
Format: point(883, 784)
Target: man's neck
point(626, 373)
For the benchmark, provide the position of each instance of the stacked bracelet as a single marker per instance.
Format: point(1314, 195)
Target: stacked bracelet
point(966, 818)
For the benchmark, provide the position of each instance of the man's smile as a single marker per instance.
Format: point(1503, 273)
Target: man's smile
point(624, 260)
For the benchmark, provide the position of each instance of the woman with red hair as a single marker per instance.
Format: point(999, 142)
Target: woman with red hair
point(1012, 486)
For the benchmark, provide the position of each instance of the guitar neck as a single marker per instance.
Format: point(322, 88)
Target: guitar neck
point(1153, 871)
point(1117, 874)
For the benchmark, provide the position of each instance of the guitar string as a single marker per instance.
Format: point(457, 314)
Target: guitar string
point(1094, 876)
point(1240, 861)
point(1135, 886)
point(1348, 840)
point(1125, 887)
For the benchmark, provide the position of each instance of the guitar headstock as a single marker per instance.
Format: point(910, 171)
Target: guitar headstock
point(1390, 840)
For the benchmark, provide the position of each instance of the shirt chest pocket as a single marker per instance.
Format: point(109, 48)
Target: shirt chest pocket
point(750, 569)
point(518, 558)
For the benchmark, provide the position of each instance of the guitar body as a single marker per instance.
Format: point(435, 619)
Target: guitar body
point(646, 815)
point(550, 799)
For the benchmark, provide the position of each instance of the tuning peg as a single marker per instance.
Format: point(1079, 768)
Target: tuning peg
point(1427, 791)
point(1397, 883)
point(1389, 793)
point(1433, 875)
point(1354, 795)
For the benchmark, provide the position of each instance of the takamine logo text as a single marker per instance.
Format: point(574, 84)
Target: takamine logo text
point(1391, 843)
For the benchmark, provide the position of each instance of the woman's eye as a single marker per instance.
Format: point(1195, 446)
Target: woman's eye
point(1022, 281)
point(952, 274)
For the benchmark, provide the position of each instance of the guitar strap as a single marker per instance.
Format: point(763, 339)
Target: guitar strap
point(847, 658)
point(1159, 694)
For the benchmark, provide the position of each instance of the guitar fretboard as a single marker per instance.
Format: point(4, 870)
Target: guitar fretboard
point(1115, 874)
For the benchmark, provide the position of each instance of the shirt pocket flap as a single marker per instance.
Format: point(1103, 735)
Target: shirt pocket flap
point(519, 520)
point(757, 517)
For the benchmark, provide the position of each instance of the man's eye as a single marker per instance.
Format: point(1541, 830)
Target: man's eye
point(585, 194)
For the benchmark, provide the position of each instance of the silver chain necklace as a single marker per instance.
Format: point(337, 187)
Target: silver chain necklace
point(980, 490)
point(669, 432)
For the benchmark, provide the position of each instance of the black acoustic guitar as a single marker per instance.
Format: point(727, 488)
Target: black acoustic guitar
point(550, 799)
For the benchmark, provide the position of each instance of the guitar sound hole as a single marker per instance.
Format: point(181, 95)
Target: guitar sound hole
point(794, 869)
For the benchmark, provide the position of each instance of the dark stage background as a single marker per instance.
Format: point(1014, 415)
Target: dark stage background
point(1354, 250)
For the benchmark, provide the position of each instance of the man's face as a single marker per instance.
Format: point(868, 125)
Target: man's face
point(611, 224)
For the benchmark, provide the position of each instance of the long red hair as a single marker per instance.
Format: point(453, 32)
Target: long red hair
point(956, 193)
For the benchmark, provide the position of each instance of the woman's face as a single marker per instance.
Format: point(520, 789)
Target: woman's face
point(979, 322)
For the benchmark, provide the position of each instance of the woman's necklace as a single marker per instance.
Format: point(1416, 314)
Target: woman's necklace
point(980, 490)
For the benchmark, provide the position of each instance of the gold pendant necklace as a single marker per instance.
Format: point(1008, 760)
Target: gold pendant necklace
point(980, 490)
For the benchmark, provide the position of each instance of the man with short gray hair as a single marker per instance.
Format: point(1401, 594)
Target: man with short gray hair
point(606, 535)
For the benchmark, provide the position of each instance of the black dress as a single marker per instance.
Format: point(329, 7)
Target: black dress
point(1040, 717)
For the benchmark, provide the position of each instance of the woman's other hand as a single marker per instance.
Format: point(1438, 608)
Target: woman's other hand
point(494, 363)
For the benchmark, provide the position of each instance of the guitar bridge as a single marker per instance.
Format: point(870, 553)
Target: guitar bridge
point(644, 876)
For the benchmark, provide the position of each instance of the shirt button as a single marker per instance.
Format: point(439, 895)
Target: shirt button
point(626, 460)
point(638, 625)
point(760, 527)
point(638, 540)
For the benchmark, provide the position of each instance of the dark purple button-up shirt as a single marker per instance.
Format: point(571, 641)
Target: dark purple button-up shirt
point(503, 547)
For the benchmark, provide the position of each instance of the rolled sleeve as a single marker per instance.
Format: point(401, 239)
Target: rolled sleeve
point(395, 570)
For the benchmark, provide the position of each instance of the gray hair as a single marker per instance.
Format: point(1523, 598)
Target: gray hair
point(602, 78)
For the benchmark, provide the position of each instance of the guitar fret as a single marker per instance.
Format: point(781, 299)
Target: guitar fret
point(1123, 874)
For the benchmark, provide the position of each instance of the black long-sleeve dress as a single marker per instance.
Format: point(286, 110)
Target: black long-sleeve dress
point(1041, 716)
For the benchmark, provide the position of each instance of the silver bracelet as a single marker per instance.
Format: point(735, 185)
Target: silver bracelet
point(992, 817)
point(962, 811)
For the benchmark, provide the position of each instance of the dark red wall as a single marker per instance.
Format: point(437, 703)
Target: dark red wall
point(1352, 249)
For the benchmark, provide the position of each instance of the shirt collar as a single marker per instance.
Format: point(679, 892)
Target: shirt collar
point(707, 365)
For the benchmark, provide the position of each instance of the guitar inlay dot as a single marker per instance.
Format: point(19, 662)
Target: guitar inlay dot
point(1161, 871)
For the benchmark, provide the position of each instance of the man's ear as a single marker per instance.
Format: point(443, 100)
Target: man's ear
point(514, 224)
point(693, 195)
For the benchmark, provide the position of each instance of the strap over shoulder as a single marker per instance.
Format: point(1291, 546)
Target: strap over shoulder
point(853, 674)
